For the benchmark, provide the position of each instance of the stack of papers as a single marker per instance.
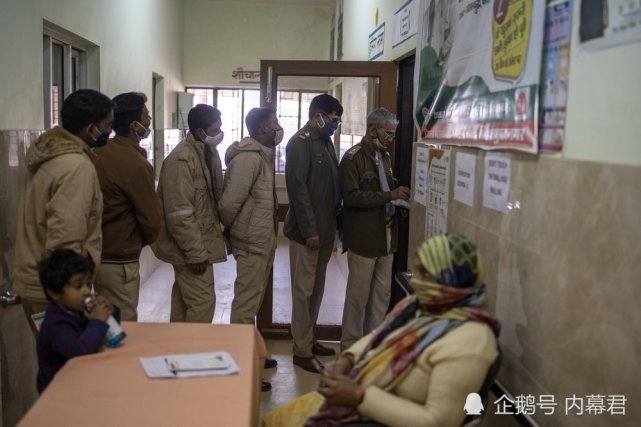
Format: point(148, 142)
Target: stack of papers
point(190, 365)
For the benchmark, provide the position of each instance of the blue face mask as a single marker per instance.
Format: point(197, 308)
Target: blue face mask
point(145, 134)
point(328, 128)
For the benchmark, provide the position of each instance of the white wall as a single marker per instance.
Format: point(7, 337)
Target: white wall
point(604, 94)
point(136, 38)
point(221, 36)
point(604, 103)
point(359, 20)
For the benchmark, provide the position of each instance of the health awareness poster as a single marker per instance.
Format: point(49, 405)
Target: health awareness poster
point(477, 72)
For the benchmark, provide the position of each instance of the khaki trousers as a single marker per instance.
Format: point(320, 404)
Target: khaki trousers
point(367, 296)
point(308, 268)
point(120, 284)
point(193, 298)
point(252, 275)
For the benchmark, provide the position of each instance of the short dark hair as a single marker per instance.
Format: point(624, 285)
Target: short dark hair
point(127, 109)
point(325, 103)
point(201, 117)
point(256, 117)
point(83, 107)
point(56, 270)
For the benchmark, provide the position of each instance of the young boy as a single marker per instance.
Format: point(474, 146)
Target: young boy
point(68, 330)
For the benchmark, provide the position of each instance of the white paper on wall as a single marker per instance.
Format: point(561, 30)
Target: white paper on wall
point(420, 178)
point(496, 182)
point(438, 191)
point(464, 178)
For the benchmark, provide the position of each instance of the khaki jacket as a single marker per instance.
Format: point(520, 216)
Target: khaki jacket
point(310, 187)
point(131, 213)
point(61, 207)
point(364, 222)
point(190, 231)
point(248, 206)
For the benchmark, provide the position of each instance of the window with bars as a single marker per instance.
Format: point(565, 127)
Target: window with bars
point(234, 104)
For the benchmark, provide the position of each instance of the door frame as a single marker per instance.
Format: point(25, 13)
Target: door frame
point(270, 71)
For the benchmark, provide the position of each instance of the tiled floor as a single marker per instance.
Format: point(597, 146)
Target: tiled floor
point(287, 381)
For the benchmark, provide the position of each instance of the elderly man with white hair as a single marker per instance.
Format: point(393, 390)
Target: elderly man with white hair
point(370, 199)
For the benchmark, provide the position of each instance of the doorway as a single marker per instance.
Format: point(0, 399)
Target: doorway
point(377, 82)
point(405, 137)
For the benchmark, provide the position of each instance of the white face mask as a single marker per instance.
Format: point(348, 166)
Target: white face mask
point(278, 136)
point(213, 141)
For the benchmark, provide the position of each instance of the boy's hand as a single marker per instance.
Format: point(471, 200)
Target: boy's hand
point(102, 309)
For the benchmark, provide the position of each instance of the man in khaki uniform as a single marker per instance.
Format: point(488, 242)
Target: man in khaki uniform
point(190, 236)
point(131, 214)
point(369, 228)
point(61, 205)
point(249, 209)
point(313, 187)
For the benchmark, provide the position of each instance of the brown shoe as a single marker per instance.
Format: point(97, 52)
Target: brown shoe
point(321, 350)
point(310, 364)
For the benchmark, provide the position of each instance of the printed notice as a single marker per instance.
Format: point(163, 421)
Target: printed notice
point(420, 178)
point(464, 178)
point(405, 22)
point(376, 43)
point(496, 184)
point(437, 191)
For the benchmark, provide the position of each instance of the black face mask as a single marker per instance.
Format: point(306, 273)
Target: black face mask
point(102, 140)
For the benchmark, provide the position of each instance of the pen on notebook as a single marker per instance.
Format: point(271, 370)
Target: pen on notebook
point(171, 366)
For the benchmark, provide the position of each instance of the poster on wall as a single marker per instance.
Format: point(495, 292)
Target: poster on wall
point(477, 72)
point(438, 189)
point(555, 75)
point(420, 177)
point(606, 23)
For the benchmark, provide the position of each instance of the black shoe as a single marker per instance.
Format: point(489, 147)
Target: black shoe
point(321, 350)
point(310, 364)
point(265, 386)
point(270, 363)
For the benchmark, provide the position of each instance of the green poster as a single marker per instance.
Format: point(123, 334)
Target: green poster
point(477, 72)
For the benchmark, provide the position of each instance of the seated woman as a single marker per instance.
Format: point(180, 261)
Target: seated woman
point(419, 365)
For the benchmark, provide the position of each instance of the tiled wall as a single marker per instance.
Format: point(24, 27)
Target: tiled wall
point(17, 344)
point(564, 278)
point(13, 146)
